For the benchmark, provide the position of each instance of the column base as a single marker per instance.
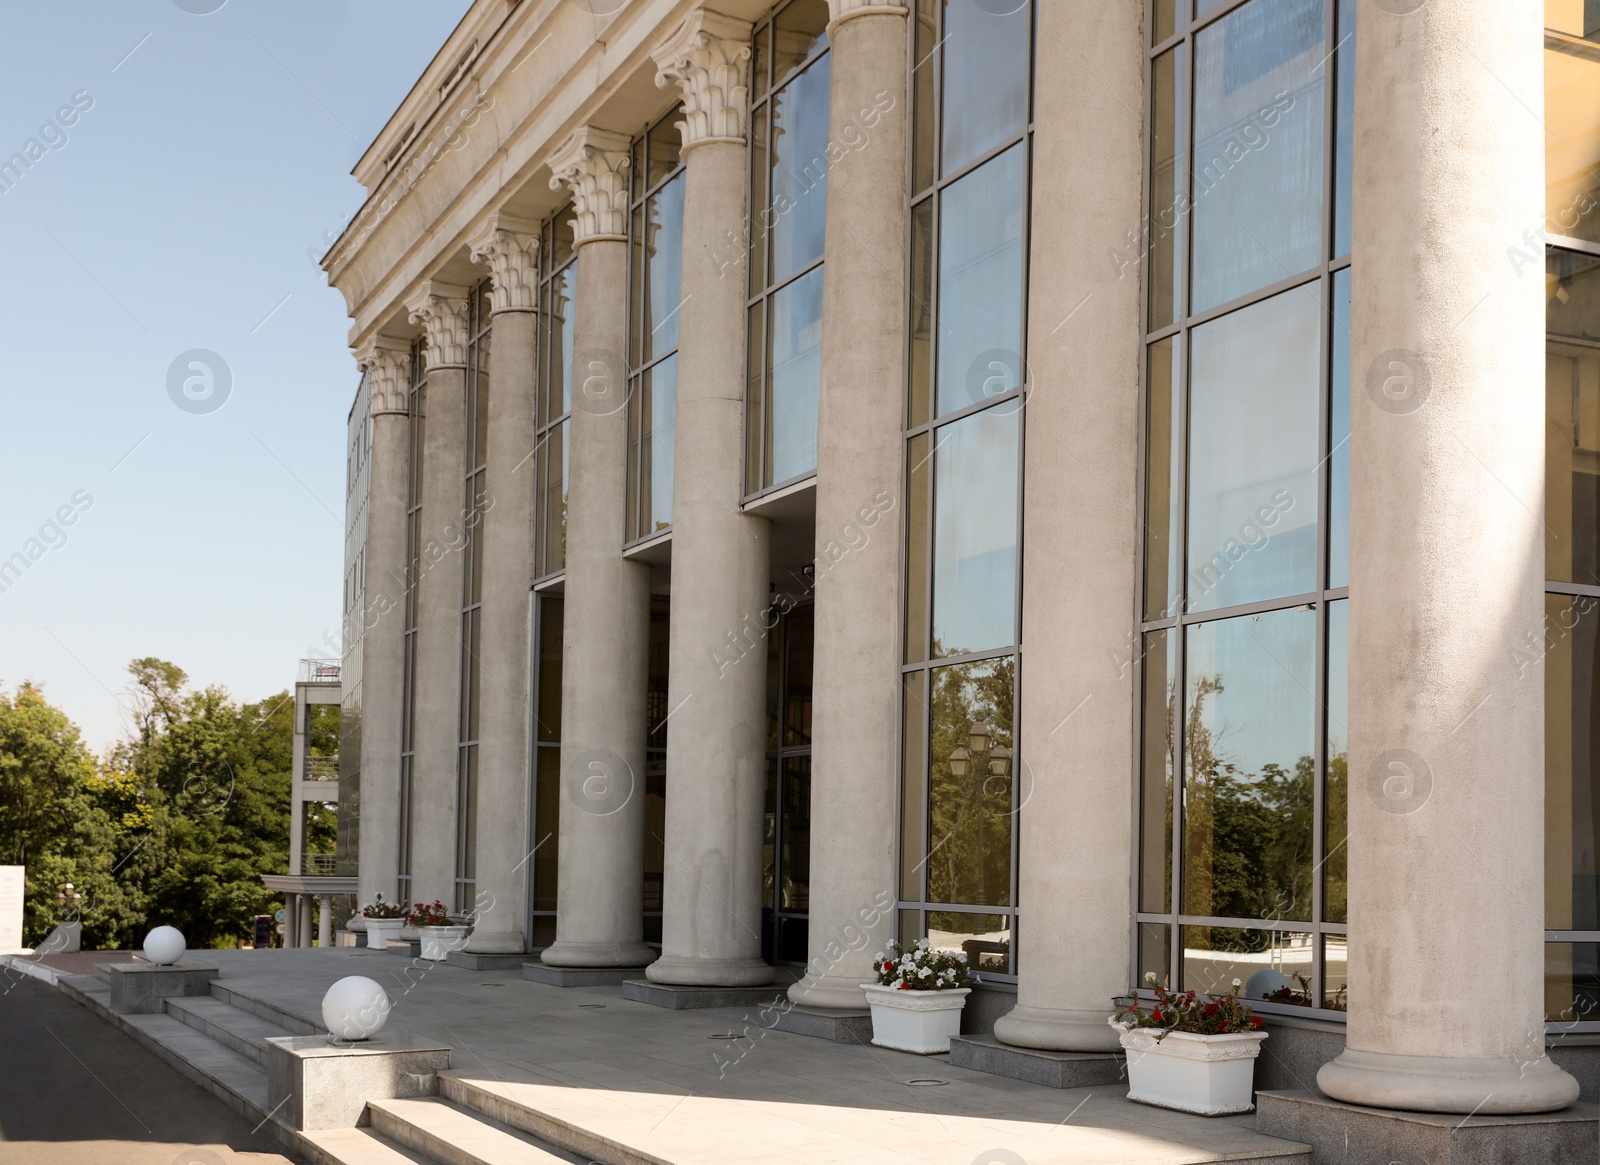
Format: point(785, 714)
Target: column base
point(676, 998)
point(831, 992)
point(571, 954)
point(495, 942)
point(677, 971)
point(1037, 1066)
point(1441, 1084)
point(1053, 1029)
point(1342, 1132)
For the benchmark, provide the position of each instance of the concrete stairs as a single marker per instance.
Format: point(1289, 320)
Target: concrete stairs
point(219, 1042)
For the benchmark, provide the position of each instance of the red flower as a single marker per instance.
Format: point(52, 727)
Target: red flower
point(888, 965)
point(1255, 1022)
point(1156, 1015)
point(1211, 1009)
point(905, 986)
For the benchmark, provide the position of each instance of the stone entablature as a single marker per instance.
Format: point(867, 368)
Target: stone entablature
point(387, 363)
point(509, 247)
point(708, 55)
point(593, 164)
point(441, 309)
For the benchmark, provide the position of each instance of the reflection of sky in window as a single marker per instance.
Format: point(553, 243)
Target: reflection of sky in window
point(799, 170)
point(975, 532)
point(980, 274)
point(1267, 665)
point(1255, 377)
point(796, 374)
point(663, 426)
point(666, 267)
point(1258, 188)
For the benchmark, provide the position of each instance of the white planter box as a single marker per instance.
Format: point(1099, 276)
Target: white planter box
point(915, 1021)
point(1206, 1075)
point(381, 930)
point(439, 941)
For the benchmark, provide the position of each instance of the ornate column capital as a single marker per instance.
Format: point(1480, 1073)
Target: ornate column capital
point(593, 164)
point(840, 11)
point(386, 361)
point(509, 247)
point(708, 55)
point(441, 309)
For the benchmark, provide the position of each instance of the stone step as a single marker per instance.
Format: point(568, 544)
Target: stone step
point(235, 1079)
point(292, 1024)
point(356, 1147)
point(494, 1103)
point(232, 1027)
point(452, 1135)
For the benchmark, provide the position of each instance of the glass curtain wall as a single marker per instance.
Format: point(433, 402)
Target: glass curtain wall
point(656, 265)
point(789, 159)
point(1568, 645)
point(971, 85)
point(786, 843)
point(1242, 664)
point(417, 426)
point(475, 503)
point(558, 301)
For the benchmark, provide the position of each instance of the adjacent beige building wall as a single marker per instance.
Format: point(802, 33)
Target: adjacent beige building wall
point(1080, 531)
point(855, 807)
point(1447, 568)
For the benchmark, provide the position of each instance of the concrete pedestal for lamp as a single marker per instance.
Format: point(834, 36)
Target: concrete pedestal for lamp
point(315, 1082)
point(144, 988)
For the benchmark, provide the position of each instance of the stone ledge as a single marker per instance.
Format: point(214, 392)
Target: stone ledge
point(681, 998)
point(1347, 1132)
point(841, 1027)
point(410, 948)
point(472, 961)
point(144, 988)
point(315, 1084)
point(578, 976)
point(1036, 1066)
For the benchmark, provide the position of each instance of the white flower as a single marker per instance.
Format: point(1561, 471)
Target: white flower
point(922, 944)
point(1149, 976)
point(962, 955)
point(1236, 983)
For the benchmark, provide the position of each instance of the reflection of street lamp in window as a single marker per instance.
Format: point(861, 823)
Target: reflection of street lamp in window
point(986, 760)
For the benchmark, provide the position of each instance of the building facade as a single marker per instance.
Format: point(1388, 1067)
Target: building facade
point(1073, 481)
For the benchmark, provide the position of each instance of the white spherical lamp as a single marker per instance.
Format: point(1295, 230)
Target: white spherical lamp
point(355, 1008)
point(1264, 982)
point(164, 945)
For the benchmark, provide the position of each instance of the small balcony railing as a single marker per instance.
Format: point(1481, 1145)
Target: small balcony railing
point(322, 768)
point(318, 865)
point(319, 671)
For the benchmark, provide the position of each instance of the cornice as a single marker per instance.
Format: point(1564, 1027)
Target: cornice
point(708, 56)
point(593, 164)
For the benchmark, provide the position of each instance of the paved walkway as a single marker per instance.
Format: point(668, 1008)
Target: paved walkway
point(76, 1091)
point(656, 1081)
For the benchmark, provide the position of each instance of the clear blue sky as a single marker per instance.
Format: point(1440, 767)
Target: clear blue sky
point(181, 211)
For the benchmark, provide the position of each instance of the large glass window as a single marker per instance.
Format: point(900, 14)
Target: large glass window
point(786, 842)
point(1568, 646)
point(971, 147)
point(656, 249)
point(416, 437)
point(545, 804)
point(475, 503)
point(789, 160)
point(558, 318)
point(1241, 661)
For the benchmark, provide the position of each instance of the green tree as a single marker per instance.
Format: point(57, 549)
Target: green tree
point(201, 796)
point(54, 822)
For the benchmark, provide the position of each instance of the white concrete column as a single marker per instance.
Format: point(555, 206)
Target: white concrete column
point(1080, 537)
point(606, 605)
point(387, 364)
point(442, 310)
point(324, 921)
point(855, 741)
point(291, 921)
point(510, 247)
point(715, 748)
point(1446, 569)
point(302, 930)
